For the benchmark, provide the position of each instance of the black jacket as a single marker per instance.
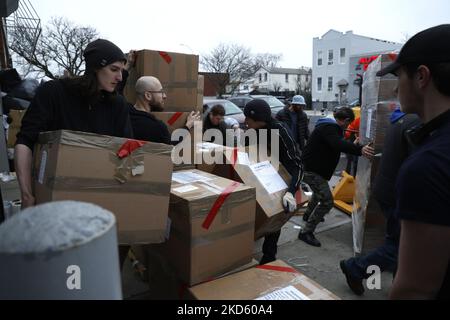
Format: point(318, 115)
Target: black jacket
point(147, 128)
point(302, 125)
point(56, 107)
point(324, 147)
point(289, 154)
point(395, 151)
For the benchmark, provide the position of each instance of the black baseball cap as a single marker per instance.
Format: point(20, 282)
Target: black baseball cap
point(429, 46)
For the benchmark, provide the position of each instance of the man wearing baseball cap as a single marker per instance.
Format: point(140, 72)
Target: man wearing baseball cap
point(423, 183)
point(259, 117)
point(296, 120)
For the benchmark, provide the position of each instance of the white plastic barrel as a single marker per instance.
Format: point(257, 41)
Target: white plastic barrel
point(62, 250)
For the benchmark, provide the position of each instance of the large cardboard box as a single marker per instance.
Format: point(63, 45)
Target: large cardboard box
point(177, 120)
point(200, 92)
point(248, 166)
point(177, 72)
point(274, 281)
point(379, 102)
point(15, 126)
point(85, 167)
point(164, 284)
point(212, 225)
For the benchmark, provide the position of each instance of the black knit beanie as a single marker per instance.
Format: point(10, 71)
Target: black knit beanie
point(258, 110)
point(100, 53)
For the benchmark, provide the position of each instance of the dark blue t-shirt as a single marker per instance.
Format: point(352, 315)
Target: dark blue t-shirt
point(423, 184)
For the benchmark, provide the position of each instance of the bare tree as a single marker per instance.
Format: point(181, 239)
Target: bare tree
point(266, 60)
point(236, 63)
point(58, 51)
point(277, 87)
point(229, 59)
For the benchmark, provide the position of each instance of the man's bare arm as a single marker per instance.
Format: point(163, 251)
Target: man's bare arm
point(423, 261)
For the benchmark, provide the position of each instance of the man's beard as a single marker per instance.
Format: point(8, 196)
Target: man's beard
point(156, 107)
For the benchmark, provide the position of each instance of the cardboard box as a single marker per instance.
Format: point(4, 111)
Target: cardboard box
point(85, 167)
point(275, 281)
point(177, 120)
point(15, 126)
point(212, 225)
point(379, 102)
point(200, 92)
point(173, 120)
point(163, 281)
point(178, 74)
point(270, 214)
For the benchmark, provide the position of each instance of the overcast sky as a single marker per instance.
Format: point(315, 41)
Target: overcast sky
point(275, 26)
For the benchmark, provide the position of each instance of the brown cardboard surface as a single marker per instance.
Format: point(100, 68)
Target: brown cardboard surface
point(15, 126)
point(270, 215)
point(178, 74)
point(198, 254)
point(255, 283)
point(83, 167)
point(173, 120)
point(200, 92)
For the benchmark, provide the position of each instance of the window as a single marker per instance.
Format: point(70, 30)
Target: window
point(330, 83)
point(265, 77)
point(260, 77)
point(319, 84)
point(342, 55)
point(330, 57)
point(319, 58)
point(286, 78)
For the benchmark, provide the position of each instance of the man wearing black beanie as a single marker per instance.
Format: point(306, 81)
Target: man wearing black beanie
point(88, 103)
point(259, 117)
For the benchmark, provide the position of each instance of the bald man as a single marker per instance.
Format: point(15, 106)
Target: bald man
point(150, 98)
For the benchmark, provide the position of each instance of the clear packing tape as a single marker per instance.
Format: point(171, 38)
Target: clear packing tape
point(379, 101)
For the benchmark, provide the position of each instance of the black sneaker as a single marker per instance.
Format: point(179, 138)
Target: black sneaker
point(266, 259)
point(310, 239)
point(354, 284)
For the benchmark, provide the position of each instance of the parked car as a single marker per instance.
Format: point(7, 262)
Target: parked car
point(275, 104)
point(231, 110)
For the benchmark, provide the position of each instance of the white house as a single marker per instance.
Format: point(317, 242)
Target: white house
point(333, 72)
point(280, 80)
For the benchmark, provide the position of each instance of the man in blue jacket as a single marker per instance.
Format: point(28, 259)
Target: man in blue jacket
point(320, 158)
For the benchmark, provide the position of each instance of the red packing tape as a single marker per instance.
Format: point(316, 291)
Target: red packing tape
point(275, 268)
point(218, 204)
point(129, 147)
point(165, 56)
point(175, 118)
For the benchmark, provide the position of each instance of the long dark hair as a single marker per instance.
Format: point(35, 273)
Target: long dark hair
point(86, 86)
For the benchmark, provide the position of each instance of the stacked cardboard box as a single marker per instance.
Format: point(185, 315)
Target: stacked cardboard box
point(254, 169)
point(274, 281)
point(211, 226)
point(379, 101)
point(135, 186)
point(178, 74)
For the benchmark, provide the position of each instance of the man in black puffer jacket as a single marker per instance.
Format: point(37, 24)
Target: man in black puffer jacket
point(296, 120)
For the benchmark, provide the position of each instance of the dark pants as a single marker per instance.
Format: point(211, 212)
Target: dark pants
point(352, 164)
point(385, 256)
point(270, 246)
point(321, 202)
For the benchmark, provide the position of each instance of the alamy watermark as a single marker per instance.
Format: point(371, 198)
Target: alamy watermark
point(74, 280)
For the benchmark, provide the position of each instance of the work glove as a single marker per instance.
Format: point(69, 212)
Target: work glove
point(289, 203)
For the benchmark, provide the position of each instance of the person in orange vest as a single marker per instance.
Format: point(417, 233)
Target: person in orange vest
point(352, 134)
